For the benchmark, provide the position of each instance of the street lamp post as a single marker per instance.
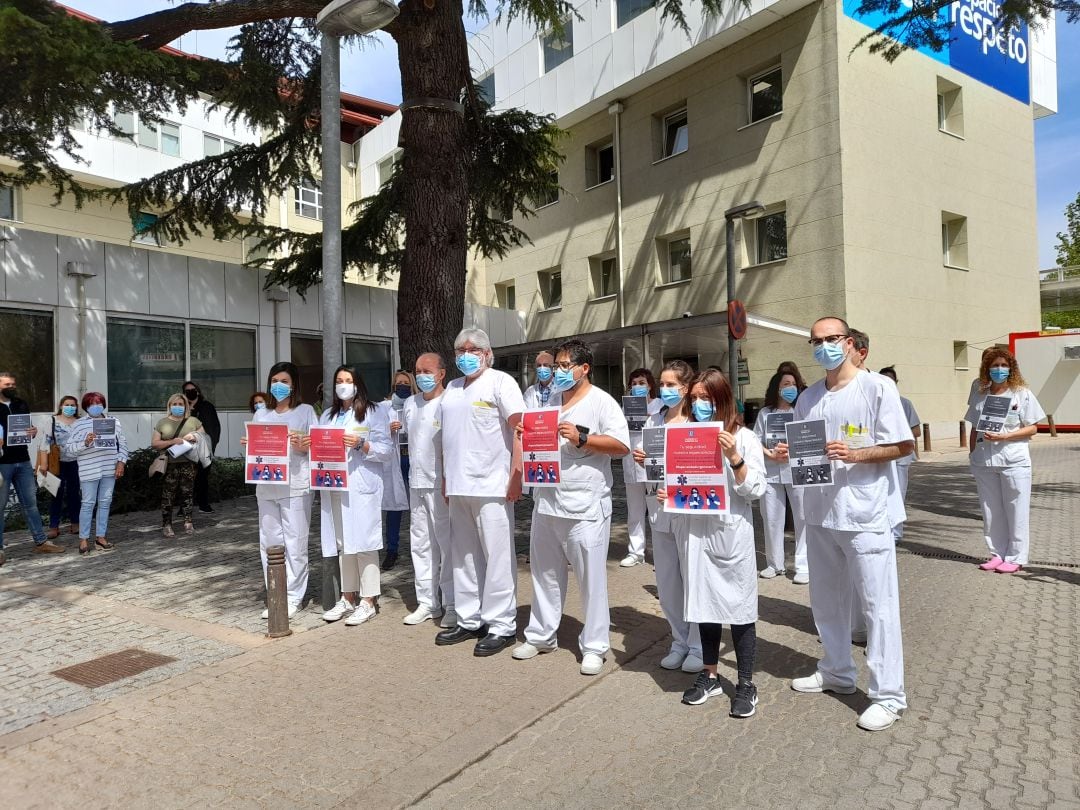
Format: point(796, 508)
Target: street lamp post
point(744, 211)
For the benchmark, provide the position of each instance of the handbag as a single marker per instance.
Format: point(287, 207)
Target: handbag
point(54, 452)
point(161, 463)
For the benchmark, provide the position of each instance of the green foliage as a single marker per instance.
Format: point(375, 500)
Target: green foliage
point(1068, 246)
point(1069, 319)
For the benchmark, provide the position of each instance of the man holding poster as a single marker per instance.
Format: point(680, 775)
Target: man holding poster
point(848, 524)
point(571, 521)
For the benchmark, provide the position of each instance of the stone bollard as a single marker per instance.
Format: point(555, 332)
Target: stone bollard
point(926, 437)
point(963, 433)
point(277, 601)
point(1052, 424)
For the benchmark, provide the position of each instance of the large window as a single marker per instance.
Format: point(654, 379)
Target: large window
point(558, 47)
point(371, 359)
point(141, 226)
point(950, 108)
point(626, 10)
point(605, 276)
point(306, 353)
point(145, 362)
point(223, 364)
point(487, 87)
point(766, 94)
point(506, 295)
point(308, 199)
point(674, 134)
point(386, 167)
point(550, 284)
point(125, 122)
point(769, 234)
point(26, 350)
point(163, 136)
point(213, 145)
point(954, 240)
point(599, 163)
point(552, 196)
point(675, 260)
point(7, 202)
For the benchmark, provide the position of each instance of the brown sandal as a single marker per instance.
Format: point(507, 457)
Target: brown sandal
point(53, 533)
point(101, 542)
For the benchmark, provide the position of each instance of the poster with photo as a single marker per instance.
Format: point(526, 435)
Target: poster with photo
point(636, 411)
point(995, 411)
point(329, 462)
point(104, 431)
point(266, 456)
point(19, 425)
point(652, 444)
point(694, 471)
point(541, 458)
point(775, 427)
point(807, 457)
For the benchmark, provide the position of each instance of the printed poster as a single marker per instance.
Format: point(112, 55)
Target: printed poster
point(652, 444)
point(266, 457)
point(329, 463)
point(995, 411)
point(807, 456)
point(19, 425)
point(104, 431)
point(636, 411)
point(776, 428)
point(402, 434)
point(540, 453)
point(694, 469)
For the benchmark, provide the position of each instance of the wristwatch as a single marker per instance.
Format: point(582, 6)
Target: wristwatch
point(742, 461)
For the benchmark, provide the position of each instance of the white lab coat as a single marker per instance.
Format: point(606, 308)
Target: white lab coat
point(361, 516)
point(395, 495)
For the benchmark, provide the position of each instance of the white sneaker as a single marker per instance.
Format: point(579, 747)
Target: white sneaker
point(693, 664)
point(449, 619)
point(801, 578)
point(878, 717)
point(363, 612)
point(770, 572)
point(673, 660)
point(293, 608)
point(591, 664)
point(418, 616)
point(343, 608)
point(523, 652)
point(816, 683)
point(630, 560)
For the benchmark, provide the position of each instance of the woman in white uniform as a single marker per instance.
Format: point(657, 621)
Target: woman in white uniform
point(351, 521)
point(640, 383)
point(685, 652)
point(285, 509)
point(780, 395)
point(1001, 461)
point(396, 469)
point(719, 554)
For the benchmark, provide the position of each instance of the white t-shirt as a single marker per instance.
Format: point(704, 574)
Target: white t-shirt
point(776, 472)
point(584, 493)
point(299, 419)
point(477, 441)
point(865, 412)
point(422, 420)
point(634, 473)
point(912, 417)
point(1023, 411)
point(534, 395)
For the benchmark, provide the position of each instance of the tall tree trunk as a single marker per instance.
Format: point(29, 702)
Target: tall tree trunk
point(431, 286)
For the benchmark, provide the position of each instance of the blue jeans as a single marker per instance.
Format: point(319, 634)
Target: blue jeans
point(21, 475)
point(97, 493)
point(70, 489)
point(393, 519)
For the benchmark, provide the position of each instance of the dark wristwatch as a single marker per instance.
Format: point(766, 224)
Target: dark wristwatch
point(742, 462)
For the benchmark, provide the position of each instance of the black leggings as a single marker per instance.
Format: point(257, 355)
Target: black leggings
point(743, 638)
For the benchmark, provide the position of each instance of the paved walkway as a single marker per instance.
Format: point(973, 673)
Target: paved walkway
point(378, 715)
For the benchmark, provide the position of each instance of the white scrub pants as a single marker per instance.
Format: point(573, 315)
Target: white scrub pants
point(287, 522)
point(1005, 497)
point(773, 514)
point(429, 544)
point(902, 471)
point(554, 542)
point(360, 571)
point(635, 518)
point(670, 588)
point(866, 560)
point(485, 573)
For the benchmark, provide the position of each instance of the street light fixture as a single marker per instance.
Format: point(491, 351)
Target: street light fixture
point(343, 17)
point(745, 211)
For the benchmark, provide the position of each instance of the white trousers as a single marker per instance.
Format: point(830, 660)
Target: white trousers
point(773, 515)
point(866, 560)
point(429, 544)
point(635, 518)
point(482, 553)
point(287, 522)
point(670, 568)
point(1005, 497)
point(554, 542)
point(902, 471)
point(360, 571)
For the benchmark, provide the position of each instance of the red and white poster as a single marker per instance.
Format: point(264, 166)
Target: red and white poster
point(266, 457)
point(329, 465)
point(694, 469)
point(540, 453)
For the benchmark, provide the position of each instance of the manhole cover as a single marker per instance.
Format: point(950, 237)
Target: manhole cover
point(113, 667)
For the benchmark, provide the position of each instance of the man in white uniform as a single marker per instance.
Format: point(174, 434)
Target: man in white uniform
point(848, 527)
point(538, 394)
point(482, 473)
point(429, 514)
point(571, 523)
point(903, 465)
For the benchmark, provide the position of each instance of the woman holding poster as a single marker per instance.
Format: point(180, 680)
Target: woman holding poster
point(718, 549)
point(639, 402)
point(352, 517)
point(98, 443)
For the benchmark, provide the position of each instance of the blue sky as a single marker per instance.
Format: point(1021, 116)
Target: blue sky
point(372, 71)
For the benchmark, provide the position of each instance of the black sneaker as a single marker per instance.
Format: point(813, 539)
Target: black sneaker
point(744, 704)
point(389, 561)
point(703, 689)
point(206, 508)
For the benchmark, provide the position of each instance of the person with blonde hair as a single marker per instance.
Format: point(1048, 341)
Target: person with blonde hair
point(177, 427)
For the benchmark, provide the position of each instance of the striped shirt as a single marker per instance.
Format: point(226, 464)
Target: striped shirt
point(96, 463)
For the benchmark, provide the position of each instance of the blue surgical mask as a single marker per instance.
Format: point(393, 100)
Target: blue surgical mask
point(829, 355)
point(999, 375)
point(280, 391)
point(68, 410)
point(468, 363)
point(425, 382)
point(96, 410)
point(789, 394)
point(176, 410)
point(703, 410)
point(564, 379)
point(670, 396)
point(639, 391)
point(260, 406)
point(543, 373)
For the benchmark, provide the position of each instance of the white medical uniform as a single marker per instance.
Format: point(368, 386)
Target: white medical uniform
point(429, 514)
point(285, 509)
point(778, 491)
point(478, 448)
point(903, 465)
point(539, 396)
point(849, 535)
point(634, 480)
point(719, 553)
point(1002, 473)
point(351, 520)
point(395, 496)
point(571, 523)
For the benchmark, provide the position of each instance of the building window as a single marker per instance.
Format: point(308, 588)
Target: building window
point(558, 48)
point(954, 240)
point(145, 363)
point(213, 145)
point(125, 122)
point(675, 259)
point(552, 196)
point(506, 296)
point(26, 349)
point(487, 88)
point(371, 359)
point(950, 108)
point(141, 226)
point(675, 134)
point(223, 361)
point(307, 201)
point(769, 235)
point(386, 167)
point(960, 355)
point(626, 10)
point(7, 202)
point(766, 94)
point(306, 352)
point(605, 276)
point(163, 136)
point(599, 164)
point(550, 283)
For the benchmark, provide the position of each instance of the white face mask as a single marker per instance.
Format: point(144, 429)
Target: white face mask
point(345, 390)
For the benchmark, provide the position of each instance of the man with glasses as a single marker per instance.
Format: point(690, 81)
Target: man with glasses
point(538, 394)
point(482, 479)
point(848, 524)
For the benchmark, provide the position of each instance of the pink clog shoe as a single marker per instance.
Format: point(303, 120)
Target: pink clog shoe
point(992, 564)
point(1008, 568)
